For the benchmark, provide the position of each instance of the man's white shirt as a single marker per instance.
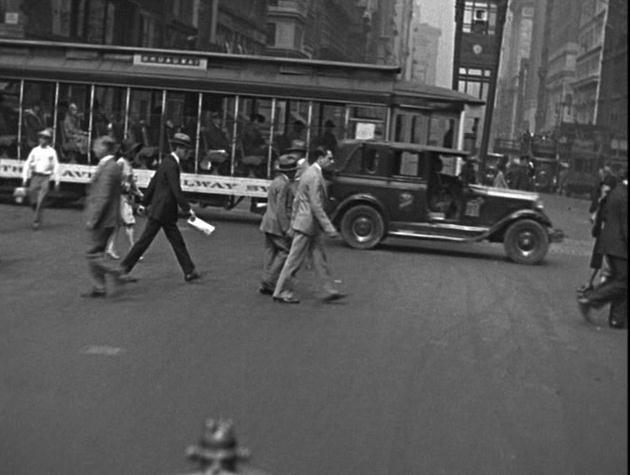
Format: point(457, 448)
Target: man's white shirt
point(42, 160)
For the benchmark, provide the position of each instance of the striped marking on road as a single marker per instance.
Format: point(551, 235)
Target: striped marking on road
point(102, 350)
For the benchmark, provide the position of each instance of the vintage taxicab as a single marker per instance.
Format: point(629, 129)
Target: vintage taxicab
point(386, 189)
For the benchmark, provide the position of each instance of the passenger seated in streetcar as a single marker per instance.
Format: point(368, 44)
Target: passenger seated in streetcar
point(253, 142)
point(75, 138)
point(297, 132)
point(216, 145)
point(33, 120)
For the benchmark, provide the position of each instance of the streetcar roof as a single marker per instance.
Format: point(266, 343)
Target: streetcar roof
point(394, 69)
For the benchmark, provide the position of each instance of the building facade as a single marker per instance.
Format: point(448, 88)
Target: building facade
point(425, 43)
point(331, 30)
point(236, 26)
point(514, 70)
point(588, 62)
point(612, 110)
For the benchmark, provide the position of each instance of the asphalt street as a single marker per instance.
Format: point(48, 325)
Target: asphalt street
point(444, 359)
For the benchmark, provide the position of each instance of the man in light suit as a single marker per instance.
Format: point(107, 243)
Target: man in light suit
point(163, 197)
point(276, 223)
point(309, 224)
point(613, 243)
point(102, 214)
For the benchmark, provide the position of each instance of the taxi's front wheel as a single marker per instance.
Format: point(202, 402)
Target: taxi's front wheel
point(362, 227)
point(526, 242)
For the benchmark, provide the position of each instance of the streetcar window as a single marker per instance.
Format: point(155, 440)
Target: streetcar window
point(108, 112)
point(215, 135)
point(253, 137)
point(144, 126)
point(181, 116)
point(327, 126)
point(443, 131)
point(38, 107)
point(367, 122)
point(73, 111)
point(290, 126)
point(9, 116)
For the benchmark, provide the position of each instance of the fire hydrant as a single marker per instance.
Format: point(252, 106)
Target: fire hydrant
point(218, 452)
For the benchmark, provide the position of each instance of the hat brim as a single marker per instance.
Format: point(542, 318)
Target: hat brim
point(179, 143)
point(46, 135)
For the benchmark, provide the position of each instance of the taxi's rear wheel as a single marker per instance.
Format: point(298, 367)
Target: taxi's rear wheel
point(526, 242)
point(362, 227)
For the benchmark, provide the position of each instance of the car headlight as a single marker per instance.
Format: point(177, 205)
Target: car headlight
point(538, 204)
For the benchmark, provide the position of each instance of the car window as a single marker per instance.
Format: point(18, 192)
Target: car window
point(409, 164)
point(371, 160)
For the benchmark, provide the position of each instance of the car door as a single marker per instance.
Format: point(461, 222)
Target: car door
point(408, 187)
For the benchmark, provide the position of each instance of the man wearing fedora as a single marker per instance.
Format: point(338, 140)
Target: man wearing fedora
point(309, 224)
point(276, 223)
point(162, 198)
point(41, 165)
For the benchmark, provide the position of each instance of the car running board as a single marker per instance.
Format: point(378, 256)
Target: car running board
point(421, 235)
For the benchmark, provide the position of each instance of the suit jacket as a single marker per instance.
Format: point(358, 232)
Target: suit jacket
point(277, 218)
point(613, 238)
point(102, 206)
point(165, 193)
point(309, 216)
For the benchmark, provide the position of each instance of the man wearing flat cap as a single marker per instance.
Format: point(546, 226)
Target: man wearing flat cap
point(276, 223)
point(162, 198)
point(41, 165)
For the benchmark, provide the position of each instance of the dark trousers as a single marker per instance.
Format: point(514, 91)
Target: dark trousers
point(97, 264)
point(174, 237)
point(614, 291)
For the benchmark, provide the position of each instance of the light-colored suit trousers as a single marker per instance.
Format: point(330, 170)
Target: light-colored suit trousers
point(276, 252)
point(302, 247)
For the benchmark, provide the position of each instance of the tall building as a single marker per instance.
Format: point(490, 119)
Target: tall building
point(514, 70)
point(424, 53)
point(237, 26)
point(563, 49)
point(588, 62)
point(612, 110)
point(532, 79)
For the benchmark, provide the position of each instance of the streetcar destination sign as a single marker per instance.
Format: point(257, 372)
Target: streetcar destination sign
point(170, 60)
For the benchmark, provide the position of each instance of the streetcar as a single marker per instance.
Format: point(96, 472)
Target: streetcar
point(241, 111)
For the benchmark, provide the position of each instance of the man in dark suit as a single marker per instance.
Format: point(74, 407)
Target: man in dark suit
point(276, 223)
point(162, 198)
point(613, 243)
point(309, 224)
point(102, 211)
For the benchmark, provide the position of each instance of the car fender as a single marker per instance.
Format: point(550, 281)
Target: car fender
point(498, 229)
point(358, 198)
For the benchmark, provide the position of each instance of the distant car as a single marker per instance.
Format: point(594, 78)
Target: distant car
point(385, 189)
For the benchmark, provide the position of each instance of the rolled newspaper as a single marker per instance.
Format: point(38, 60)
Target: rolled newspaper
point(201, 225)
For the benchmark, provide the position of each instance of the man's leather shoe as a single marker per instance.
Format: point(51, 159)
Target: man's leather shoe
point(332, 296)
point(265, 290)
point(286, 299)
point(94, 294)
point(194, 275)
point(125, 278)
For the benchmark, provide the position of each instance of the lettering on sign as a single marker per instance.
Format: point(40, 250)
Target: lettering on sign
point(191, 183)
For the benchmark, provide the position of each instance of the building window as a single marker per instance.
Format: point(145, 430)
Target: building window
point(298, 37)
point(480, 17)
point(271, 34)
